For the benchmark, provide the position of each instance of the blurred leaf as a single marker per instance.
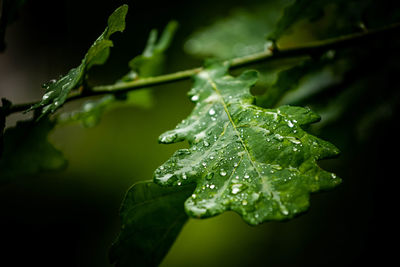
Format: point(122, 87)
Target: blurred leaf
point(304, 79)
point(257, 162)
point(151, 217)
point(27, 150)
point(151, 61)
point(57, 90)
point(8, 13)
point(241, 33)
point(344, 16)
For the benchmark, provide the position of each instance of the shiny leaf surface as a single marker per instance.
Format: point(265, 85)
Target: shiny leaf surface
point(258, 162)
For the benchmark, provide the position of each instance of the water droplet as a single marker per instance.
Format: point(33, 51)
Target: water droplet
point(161, 168)
point(222, 173)
point(212, 186)
point(246, 176)
point(194, 196)
point(244, 202)
point(294, 140)
point(333, 175)
point(47, 95)
point(236, 188)
point(290, 124)
point(294, 149)
point(184, 177)
point(179, 183)
point(235, 164)
point(211, 157)
point(211, 112)
point(206, 143)
point(279, 137)
point(195, 98)
point(276, 166)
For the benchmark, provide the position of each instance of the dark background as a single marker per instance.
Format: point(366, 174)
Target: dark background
point(71, 218)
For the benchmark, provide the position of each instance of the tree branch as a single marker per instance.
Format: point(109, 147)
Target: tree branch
point(312, 48)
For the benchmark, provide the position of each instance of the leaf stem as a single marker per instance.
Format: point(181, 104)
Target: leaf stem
point(312, 48)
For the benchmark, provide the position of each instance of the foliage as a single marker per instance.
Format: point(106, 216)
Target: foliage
point(144, 241)
point(257, 162)
point(57, 90)
point(252, 134)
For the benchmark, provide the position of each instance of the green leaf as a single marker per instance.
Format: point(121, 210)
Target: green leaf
point(304, 79)
point(343, 16)
point(27, 150)
point(92, 111)
point(151, 217)
point(241, 33)
point(57, 90)
point(257, 162)
point(151, 61)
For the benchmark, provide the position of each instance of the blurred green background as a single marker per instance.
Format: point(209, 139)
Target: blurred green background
point(71, 218)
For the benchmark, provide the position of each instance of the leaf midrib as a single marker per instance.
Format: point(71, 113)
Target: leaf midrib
point(215, 88)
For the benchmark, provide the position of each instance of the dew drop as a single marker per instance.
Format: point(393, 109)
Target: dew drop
point(333, 175)
point(194, 196)
point(222, 173)
point(195, 98)
point(211, 112)
point(206, 143)
point(246, 176)
point(212, 186)
point(236, 188)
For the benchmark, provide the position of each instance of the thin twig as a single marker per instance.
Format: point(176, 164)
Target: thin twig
point(312, 48)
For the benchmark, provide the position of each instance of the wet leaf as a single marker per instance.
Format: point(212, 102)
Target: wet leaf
point(258, 162)
point(57, 90)
point(151, 217)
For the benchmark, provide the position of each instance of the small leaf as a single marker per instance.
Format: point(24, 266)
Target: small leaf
point(151, 217)
point(257, 162)
point(27, 150)
point(151, 61)
point(57, 90)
